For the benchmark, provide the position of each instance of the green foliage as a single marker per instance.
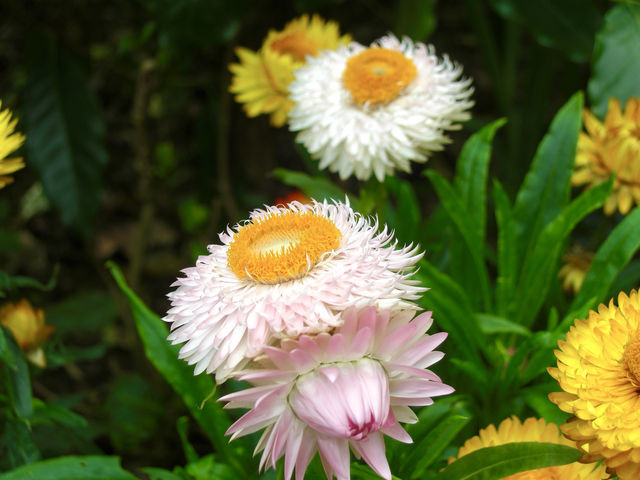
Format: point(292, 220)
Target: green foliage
point(318, 187)
point(11, 283)
point(71, 468)
point(568, 25)
point(193, 389)
point(616, 67)
point(65, 133)
point(505, 460)
point(414, 18)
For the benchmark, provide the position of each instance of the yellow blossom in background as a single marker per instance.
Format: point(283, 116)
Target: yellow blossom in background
point(532, 430)
point(576, 264)
point(261, 78)
point(599, 373)
point(9, 142)
point(612, 147)
point(28, 328)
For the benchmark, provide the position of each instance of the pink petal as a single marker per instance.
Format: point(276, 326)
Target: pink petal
point(306, 452)
point(361, 343)
point(420, 348)
point(266, 409)
point(302, 361)
point(372, 450)
point(292, 448)
point(413, 371)
point(397, 432)
point(334, 453)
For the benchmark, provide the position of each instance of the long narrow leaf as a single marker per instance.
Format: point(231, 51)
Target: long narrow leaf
point(468, 229)
point(164, 356)
point(616, 251)
point(507, 250)
point(539, 264)
point(545, 190)
point(491, 463)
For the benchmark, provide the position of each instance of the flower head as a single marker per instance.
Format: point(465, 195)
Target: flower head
point(332, 392)
point(364, 111)
point(288, 271)
point(28, 328)
point(532, 430)
point(612, 147)
point(261, 78)
point(599, 373)
point(9, 141)
point(577, 262)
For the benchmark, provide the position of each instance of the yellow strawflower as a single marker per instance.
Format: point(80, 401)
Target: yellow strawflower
point(612, 147)
point(532, 430)
point(599, 373)
point(9, 141)
point(261, 78)
point(28, 328)
point(576, 264)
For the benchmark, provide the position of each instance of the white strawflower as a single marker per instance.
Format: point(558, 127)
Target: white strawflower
point(373, 110)
point(289, 270)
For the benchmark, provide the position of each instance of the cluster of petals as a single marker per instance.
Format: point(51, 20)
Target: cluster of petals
point(598, 371)
point(337, 391)
point(532, 430)
point(364, 139)
point(612, 147)
point(9, 141)
point(224, 320)
point(260, 79)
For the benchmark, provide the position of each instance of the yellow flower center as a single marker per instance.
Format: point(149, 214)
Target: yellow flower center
point(296, 44)
point(281, 246)
point(631, 359)
point(377, 75)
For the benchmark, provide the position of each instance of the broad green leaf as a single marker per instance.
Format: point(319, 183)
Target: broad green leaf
point(616, 251)
point(537, 397)
point(628, 278)
point(415, 19)
point(616, 62)
point(87, 311)
point(164, 356)
point(16, 444)
point(546, 187)
point(208, 468)
point(540, 262)
point(315, 187)
point(568, 25)
point(9, 283)
point(406, 214)
point(65, 133)
point(451, 311)
point(507, 250)
point(468, 229)
point(359, 472)
point(491, 324)
point(6, 355)
point(182, 426)
point(92, 467)
point(432, 445)
point(491, 463)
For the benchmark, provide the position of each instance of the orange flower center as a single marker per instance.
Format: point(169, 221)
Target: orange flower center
point(631, 359)
point(377, 75)
point(296, 44)
point(281, 246)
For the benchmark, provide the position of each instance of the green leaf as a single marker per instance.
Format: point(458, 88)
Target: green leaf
point(164, 356)
point(208, 468)
point(18, 381)
point(92, 467)
point(616, 251)
point(451, 311)
point(86, 312)
point(539, 264)
point(546, 187)
point(315, 187)
point(6, 354)
point(415, 19)
point(537, 397)
point(406, 216)
point(9, 283)
point(615, 66)
point(502, 461)
point(507, 249)
point(468, 229)
point(160, 474)
point(568, 25)
point(492, 324)
point(434, 443)
point(65, 133)
point(472, 169)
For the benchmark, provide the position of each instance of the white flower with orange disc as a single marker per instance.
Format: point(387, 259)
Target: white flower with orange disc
point(364, 111)
point(289, 270)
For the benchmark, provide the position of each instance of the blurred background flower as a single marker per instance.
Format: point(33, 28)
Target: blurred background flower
point(27, 324)
point(9, 142)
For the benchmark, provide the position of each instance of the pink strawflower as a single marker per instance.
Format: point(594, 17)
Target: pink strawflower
point(332, 392)
point(287, 271)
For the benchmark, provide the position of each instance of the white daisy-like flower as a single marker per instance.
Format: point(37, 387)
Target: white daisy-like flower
point(364, 111)
point(289, 270)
